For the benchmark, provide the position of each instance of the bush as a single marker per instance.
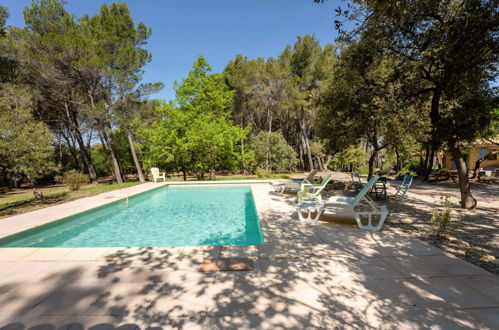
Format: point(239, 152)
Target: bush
point(74, 179)
point(273, 152)
point(442, 216)
point(263, 173)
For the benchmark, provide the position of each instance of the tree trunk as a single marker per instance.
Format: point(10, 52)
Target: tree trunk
point(424, 165)
point(135, 159)
point(114, 158)
point(326, 163)
point(467, 200)
point(243, 165)
point(72, 150)
point(397, 162)
point(433, 142)
point(116, 170)
point(429, 164)
point(300, 154)
point(371, 163)
point(320, 163)
point(104, 146)
point(479, 162)
point(184, 172)
point(309, 154)
point(89, 168)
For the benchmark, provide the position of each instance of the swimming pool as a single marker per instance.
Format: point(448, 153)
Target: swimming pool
point(166, 216)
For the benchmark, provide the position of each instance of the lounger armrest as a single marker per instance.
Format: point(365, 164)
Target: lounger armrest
point(307, 186)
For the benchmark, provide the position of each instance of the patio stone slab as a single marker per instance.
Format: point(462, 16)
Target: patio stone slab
point(57, 272)
point(47, 254)
point(442, 292)
point(337, 265)
point(195, 322)
point(18, 272)
point(106, 323)
point(227, 264)
point(113, 272)
point(412, 266)
point(242, 251)
point(125, 299)
point(38, 323)
point(69, 300)
point(482, 318)
point(403, 246)
point(185, 294)
point(14, 254)
point(176, 258)
point(452, 265)
point(487, 285)
point(272, 321)
point(84, 254)
point(21, 299)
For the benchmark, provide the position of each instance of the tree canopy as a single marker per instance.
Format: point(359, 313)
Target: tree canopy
point(195, 133)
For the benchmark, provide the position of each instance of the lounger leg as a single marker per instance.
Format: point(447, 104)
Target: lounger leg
point(281, 190)
point(309, 218)
point(369, 226)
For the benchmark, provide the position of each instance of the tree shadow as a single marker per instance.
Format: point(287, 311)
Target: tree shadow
point(329, 275)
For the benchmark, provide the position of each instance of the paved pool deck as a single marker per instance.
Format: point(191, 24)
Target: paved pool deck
point(329, 275)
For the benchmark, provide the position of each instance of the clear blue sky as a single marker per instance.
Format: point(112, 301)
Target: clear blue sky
point(218, 29)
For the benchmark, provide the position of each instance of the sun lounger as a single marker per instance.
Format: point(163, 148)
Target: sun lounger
point(281, 187)
point(313, 191)
point(361, 207)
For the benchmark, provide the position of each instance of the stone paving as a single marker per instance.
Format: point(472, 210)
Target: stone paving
point(329, 275)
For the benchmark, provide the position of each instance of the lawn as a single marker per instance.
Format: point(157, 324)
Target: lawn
point(251, 177)
point(22, 200)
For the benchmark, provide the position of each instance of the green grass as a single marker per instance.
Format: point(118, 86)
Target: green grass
point(254, 177)
point(23, 198)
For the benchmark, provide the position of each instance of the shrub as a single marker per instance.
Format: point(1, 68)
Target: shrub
point(273, 152)
point(74, 179)
point(263, 173)
point(442, 216)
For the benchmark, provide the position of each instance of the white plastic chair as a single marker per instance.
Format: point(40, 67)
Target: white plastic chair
point(361, 207)
point(156, 175)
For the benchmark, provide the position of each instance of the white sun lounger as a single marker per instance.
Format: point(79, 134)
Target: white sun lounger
point(361, 207)
point(281, 187)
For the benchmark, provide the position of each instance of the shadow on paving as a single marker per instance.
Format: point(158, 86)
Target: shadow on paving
point(475, 239)
point(324, 276)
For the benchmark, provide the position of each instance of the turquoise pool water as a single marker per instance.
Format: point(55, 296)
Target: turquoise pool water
point(167, 216)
